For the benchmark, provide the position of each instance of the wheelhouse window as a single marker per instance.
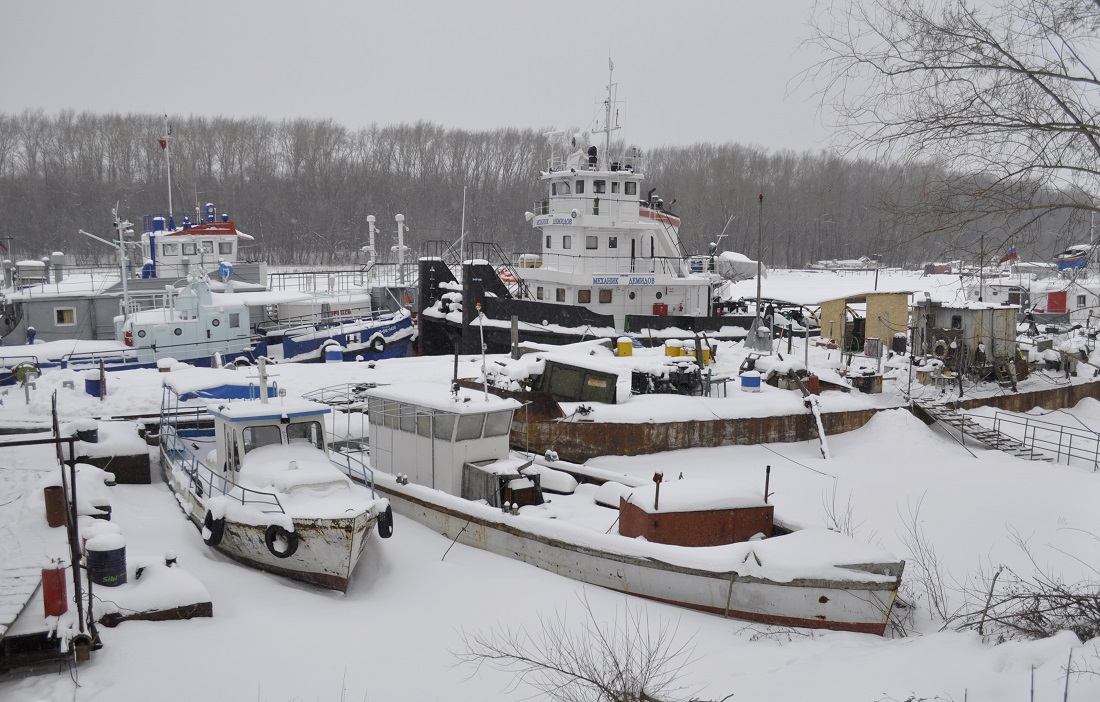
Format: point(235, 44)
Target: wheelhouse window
point(584, 296)
point(539, 292)
point(631, 187)
point(547, 241)
point(170, 249)
point(408, 418)
point(580, 187)
point(234, 319)
point(469, 427)
point(225, 248)
point(563, 188)
point(305, 432)
point(956, 321)
point(424, 424)
point(497, 423)
point(255, 437)
point(591, 242)
point(567, 241)
point(553, 189)
point(560, 295)
point(444, 426)
point(614, 187)
point(1081, 301)
point(64, 316)
point(207, 247)
point(605, 296)
point(189, 249)
point(599, 186)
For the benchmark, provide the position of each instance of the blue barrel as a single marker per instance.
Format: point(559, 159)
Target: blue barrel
point(107, 559)
point(750, 381)
point(92, 384)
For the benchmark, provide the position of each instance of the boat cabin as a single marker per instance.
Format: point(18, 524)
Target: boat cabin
point(189, 325)
point(243, 427)
point(695, 513)
point(168, 250)
point(456, 442)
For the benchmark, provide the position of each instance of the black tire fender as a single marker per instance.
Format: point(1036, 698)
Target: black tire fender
point(385, 523)
point(377, 344)
point(273, 534)
point(212, 529)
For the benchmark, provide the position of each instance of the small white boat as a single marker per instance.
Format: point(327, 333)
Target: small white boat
point(261, 484)
point(442, 459)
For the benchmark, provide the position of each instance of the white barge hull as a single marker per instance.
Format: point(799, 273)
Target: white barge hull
point(859, 605)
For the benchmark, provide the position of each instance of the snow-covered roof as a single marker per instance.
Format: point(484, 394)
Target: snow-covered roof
point(438, 396)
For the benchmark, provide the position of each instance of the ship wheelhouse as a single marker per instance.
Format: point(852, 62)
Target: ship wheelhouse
point(607, 246)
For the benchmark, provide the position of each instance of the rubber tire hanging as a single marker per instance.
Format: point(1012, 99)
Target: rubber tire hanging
point(215, 527)
point(385, 523)
point(275, 532)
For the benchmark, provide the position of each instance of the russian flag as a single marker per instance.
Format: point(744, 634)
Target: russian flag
point(1010, 256)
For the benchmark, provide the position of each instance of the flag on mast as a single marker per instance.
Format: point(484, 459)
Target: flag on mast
point(1010, 256)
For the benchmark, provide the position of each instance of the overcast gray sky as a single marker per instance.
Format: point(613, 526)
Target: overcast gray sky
point(714, 71)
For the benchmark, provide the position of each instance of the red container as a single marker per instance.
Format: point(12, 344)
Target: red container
point(54, 594)
point(814, 384)
point(660, 309)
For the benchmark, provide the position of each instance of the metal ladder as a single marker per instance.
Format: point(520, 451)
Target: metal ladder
point(969, 428)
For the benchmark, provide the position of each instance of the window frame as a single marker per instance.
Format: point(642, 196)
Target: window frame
point(57, 311)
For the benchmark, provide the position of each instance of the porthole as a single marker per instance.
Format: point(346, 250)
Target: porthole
point(215, 322)
point(141, 333)
point(177, 331)
point(632, 295)
point(658, 296)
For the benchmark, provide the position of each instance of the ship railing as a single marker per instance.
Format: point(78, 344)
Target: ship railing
point(180, 444)
point(386, 274)
point(581, 161)
point(1050, 437)
point(600, 265)
point(349, 431)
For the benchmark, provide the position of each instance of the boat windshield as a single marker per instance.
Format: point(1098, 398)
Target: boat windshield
point(255, 437)
point(299, 432)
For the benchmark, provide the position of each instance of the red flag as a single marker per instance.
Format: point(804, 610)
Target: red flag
point(163, 143)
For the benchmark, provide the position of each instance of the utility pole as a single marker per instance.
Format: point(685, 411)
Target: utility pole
point(759, 251)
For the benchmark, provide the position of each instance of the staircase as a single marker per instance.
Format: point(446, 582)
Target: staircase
point(969, 428)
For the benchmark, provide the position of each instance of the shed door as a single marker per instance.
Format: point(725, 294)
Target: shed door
point(1056, 302)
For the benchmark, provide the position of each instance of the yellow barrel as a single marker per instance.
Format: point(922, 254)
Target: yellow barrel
point(625, 346)
point(706, 356)
point(673, 347)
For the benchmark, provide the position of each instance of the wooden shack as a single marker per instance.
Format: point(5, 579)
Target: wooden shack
point(885, 314)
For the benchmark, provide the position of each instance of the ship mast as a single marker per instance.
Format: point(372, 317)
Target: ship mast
point(167, 159)
point(608, 104)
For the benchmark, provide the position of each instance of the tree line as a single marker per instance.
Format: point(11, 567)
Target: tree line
point(303, 188)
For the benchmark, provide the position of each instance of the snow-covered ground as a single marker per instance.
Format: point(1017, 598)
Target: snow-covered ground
point(394, 635)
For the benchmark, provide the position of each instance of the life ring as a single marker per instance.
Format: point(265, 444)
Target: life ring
point(377, 343)
point(212, 529)
point(939, 349)
point(385, 523)
point(276, 533)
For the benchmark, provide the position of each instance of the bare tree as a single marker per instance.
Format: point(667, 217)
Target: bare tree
point(626, 660)
point(999, 95)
